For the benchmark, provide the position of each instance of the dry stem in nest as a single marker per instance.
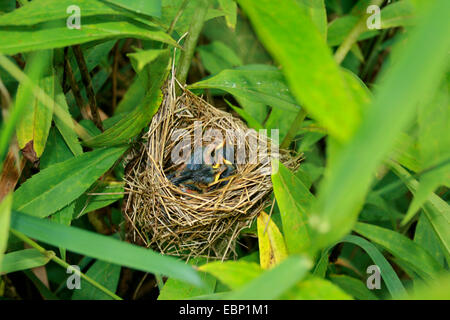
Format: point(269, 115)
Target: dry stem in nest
point(174, 221)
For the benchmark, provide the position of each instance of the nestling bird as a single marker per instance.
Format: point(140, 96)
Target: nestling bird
point(199, 175)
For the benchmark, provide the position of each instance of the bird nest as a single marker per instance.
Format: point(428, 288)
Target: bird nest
point(168, 208)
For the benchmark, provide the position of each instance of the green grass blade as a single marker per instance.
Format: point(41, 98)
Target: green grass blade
point(150, 8)
point(273, 283)
point(393, 283)
point(55, 34)
point(314, 288)
point(290, 35)
point(436, 209)
point(58, 185)
point(103, 248)
point(107, 274)
point(401, 247)
point(353, 286)
point(5, 218)
point(23, 260)
point(395, 103)
point(294, 201)
point(259, 83)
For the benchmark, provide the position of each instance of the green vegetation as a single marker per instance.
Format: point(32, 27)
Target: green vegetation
point(367, 108)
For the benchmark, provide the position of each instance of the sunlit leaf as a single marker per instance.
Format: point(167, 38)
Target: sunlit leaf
point(294, 201)
point(272, 249)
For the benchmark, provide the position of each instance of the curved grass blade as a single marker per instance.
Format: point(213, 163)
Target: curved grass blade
point(23, 260)
point(55, 34)
point(104, 248)
point(353, 286)
point(402, 248)
point(393, 283)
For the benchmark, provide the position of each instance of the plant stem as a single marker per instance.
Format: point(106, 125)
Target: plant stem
point(352, 37)
point(88, 85)
point(301, 115)
point(191, 41)
point(177, 16)
point(51, 255)
point(73, 83)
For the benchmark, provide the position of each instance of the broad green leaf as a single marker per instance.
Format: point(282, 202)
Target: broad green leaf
point(402, 248)
point(315, 289)
point(93, 56)
point(132, 97)
point(5, 217)
point(234, 274)
point(99, 196)
point(141, 58)
point(7, 5)
point(258, 111)
point(131, 124)
point(272, 249)
point(436, 209)
point(22, 260)
point(260, 83)
point(103, 248)
point(58, 185)
point(39, 11)
point(177, 290)
point(434, 148)
point(401, 88)
point(64, 216)
point(406, 152)
point(217, 56)
point(64, 123)
point(170, 9)
point(251, 122)
point(353, 286)
point(229, 7)
point(106, 274)
point(35, 68)
point(274, 282)
point(294, 201)
point(393, 283)
point(425, 237)
point(55, 151)
point(242, 41)
point(35, 124)
point(150, 8)
point(281, 120)
point(291, 37)
point(317, 12)
point(398, 14)
point(55, 34)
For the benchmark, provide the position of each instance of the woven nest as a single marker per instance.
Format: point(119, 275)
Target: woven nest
point(175, 221)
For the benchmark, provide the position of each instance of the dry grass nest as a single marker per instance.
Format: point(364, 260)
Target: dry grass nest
point(168, 218)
